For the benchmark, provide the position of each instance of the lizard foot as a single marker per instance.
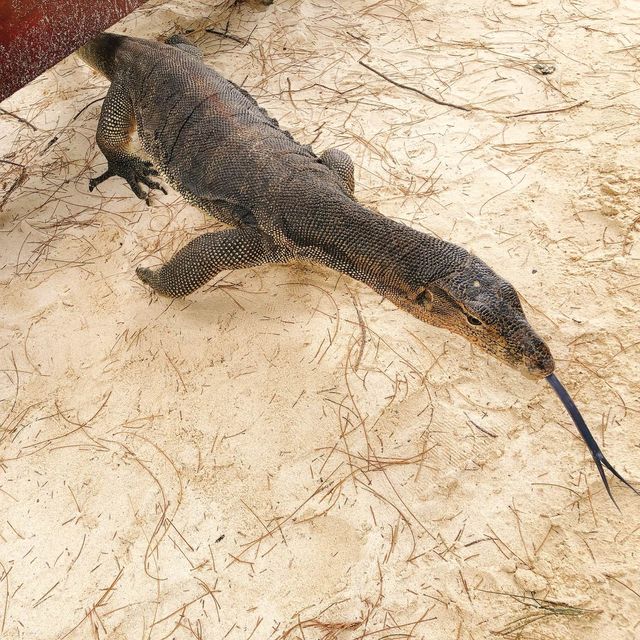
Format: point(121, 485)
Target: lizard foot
point(147, 276)
point(151, 277)
point(134, 171)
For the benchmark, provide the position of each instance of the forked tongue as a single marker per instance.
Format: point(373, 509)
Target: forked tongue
point(578, 420)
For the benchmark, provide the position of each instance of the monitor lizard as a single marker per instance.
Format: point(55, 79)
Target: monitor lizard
point(214, 144)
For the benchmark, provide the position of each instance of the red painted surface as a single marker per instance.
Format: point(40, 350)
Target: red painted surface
point(35, 34)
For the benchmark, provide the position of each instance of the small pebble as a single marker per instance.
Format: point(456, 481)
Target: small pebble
point(544, 69)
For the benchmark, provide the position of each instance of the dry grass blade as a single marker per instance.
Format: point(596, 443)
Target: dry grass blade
point(538, 609)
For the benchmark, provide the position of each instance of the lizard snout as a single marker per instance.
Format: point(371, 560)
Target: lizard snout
point(536, 357)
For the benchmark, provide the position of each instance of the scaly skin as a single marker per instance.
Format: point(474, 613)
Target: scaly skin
point(210, 140)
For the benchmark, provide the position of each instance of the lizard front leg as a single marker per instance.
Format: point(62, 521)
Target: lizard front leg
point(205, 256)
point(117, 123)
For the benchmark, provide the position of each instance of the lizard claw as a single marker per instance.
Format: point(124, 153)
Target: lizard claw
point(146, 275)
point(151, 277)
point(94, 182)
point(134, 171)
point(157, 280)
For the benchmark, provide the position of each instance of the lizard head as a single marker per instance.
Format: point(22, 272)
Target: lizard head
point(476, 303)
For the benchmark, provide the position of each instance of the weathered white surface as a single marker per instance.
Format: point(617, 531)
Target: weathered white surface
point(285, 455)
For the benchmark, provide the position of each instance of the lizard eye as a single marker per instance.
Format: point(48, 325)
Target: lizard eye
point(473, 320)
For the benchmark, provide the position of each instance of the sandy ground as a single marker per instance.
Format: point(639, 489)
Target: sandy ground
point(284, 454)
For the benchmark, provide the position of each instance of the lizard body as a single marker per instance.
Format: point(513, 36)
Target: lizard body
point(213, 142)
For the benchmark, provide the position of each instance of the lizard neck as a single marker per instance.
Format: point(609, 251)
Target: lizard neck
point(390, 257)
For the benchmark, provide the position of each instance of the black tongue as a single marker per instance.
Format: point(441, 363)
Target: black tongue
point(578, 420)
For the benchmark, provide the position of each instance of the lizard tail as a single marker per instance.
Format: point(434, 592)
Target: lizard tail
point(100, 52)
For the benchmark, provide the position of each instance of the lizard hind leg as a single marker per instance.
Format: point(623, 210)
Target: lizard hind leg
point(182, 43)
point(342, 164)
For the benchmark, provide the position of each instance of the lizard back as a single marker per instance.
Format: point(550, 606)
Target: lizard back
point(209, 137)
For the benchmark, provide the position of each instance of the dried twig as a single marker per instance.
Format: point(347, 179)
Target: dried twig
point(19, 181)
point(444, 103)
point(17, 117)
point(225, 34)
point(520, 114)
point(468, 108)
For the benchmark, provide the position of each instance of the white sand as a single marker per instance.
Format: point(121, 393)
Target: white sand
point(284, 455)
